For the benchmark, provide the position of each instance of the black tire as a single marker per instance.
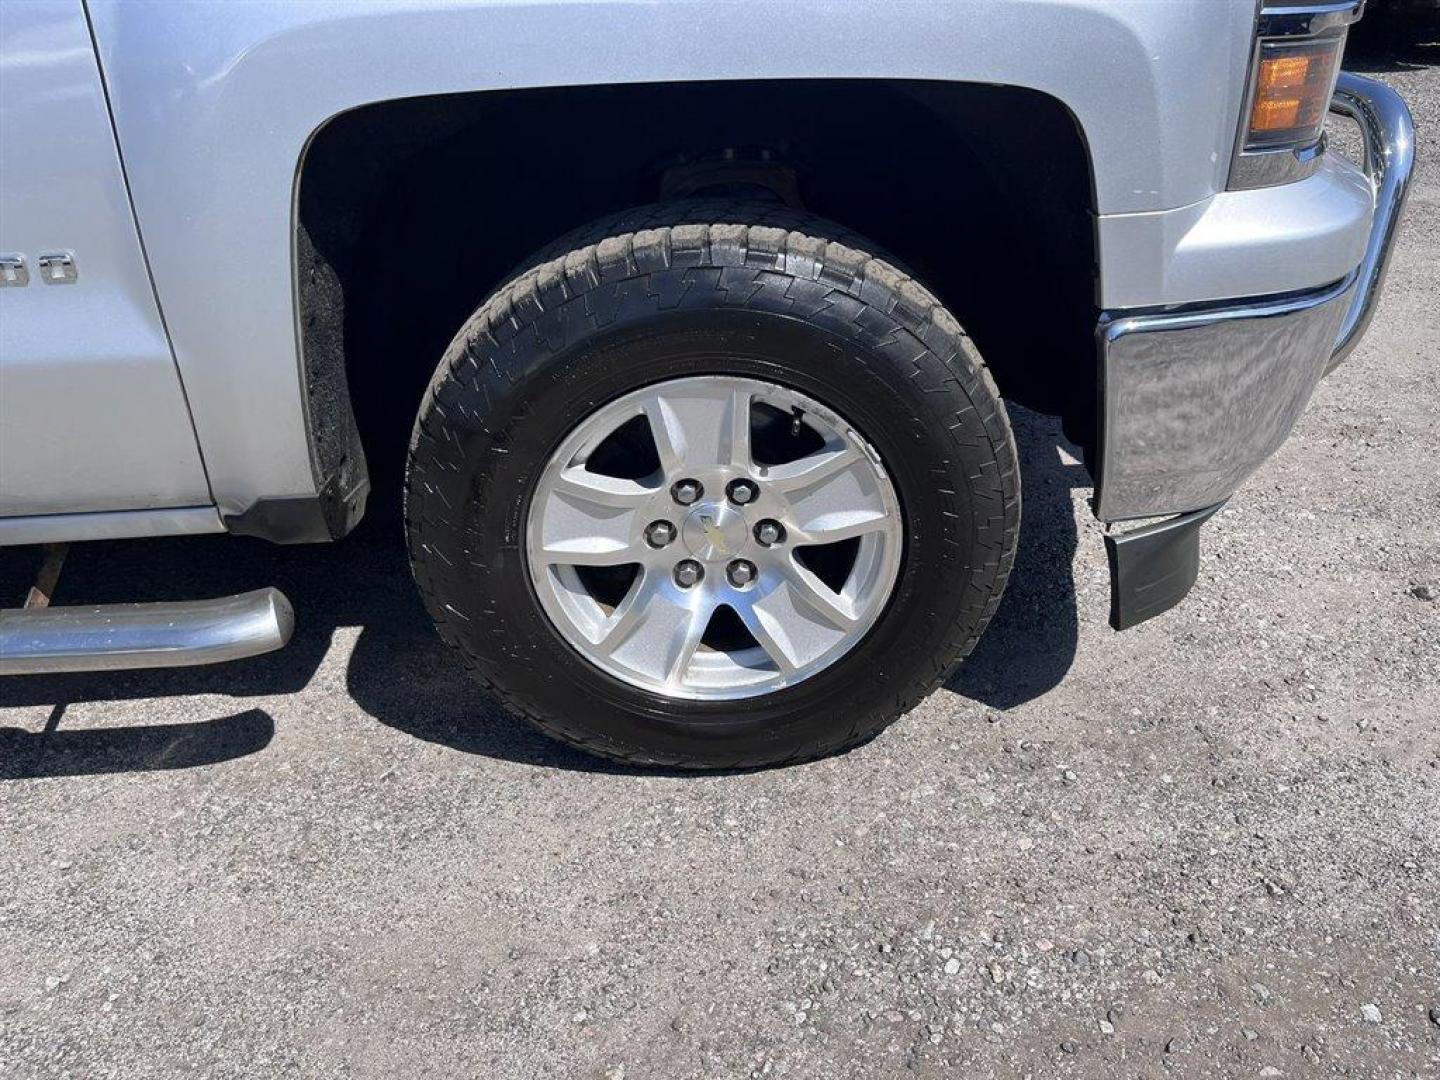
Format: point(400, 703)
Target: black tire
point(659, 293)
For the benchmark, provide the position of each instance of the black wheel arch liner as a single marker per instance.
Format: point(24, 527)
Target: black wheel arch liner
point(337, 457)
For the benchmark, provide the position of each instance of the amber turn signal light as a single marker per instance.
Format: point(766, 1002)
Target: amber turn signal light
point(1293, 84)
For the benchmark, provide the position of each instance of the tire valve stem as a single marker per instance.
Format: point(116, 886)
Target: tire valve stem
point(796, 416)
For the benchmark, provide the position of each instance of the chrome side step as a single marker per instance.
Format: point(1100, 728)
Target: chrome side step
point(111, 637)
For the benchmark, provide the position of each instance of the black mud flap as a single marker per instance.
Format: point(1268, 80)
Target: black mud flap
point(1151, 569)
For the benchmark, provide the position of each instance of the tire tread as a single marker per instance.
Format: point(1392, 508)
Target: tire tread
point(734, 249)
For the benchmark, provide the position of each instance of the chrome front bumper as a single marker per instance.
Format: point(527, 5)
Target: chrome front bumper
point(1193, 400)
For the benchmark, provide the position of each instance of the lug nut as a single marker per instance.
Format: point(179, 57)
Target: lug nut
point(740, 573)
point(659, 533)
point(686, 492)
point(769, 532)
point(742, 492)
point(688, 572)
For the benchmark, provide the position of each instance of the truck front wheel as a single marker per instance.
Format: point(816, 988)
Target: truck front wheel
point(709, 485)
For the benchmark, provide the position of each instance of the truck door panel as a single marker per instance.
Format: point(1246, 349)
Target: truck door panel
point(92, 414)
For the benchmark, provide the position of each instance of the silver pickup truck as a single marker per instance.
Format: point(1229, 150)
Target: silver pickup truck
point(685, 327)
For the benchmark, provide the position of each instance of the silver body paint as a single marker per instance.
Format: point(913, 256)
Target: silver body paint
point(213, 105)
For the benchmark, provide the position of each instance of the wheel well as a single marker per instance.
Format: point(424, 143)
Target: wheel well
point(411, 212)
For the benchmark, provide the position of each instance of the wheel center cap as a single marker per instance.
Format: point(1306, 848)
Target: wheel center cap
point(714, 531)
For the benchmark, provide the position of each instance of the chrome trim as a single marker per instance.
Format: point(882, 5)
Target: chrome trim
point(1268, 168)
point(1308, 20)
point(114, 637)
point(1389, 135)
point(57, 267)
point(1194, 401)
point(13, 272)
point(1115, 325)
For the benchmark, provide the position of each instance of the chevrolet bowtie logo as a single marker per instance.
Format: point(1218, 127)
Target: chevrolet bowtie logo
point(714, 535)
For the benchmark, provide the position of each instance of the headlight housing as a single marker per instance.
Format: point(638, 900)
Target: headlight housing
point(1293, 69)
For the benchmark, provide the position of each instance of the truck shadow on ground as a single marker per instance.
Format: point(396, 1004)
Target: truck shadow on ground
point(399, 672)
point(1030, 643)
point(51, 752)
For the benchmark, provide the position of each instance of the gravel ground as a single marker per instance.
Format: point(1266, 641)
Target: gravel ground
point(1206, 847)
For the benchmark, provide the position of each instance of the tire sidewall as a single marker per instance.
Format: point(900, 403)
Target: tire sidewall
point(938, 455)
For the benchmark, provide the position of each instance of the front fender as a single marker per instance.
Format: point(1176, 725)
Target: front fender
point(214, 105)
